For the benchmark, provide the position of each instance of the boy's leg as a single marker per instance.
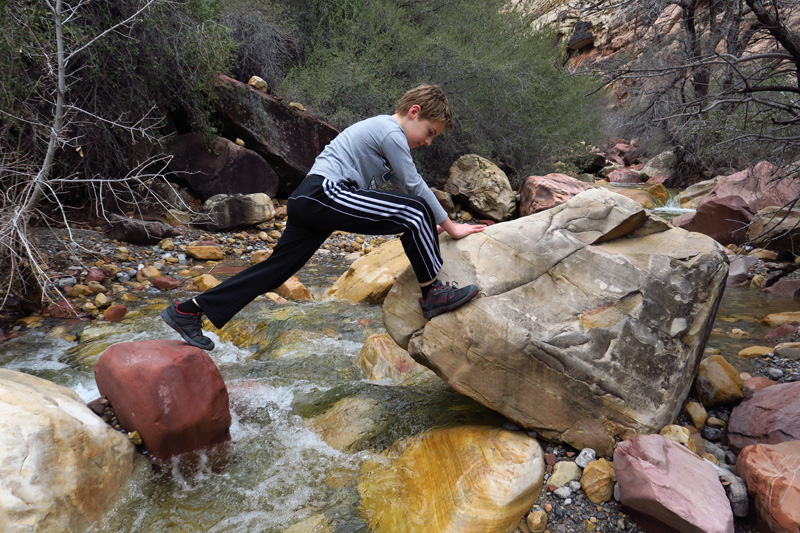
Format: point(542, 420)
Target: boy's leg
point(294, 249)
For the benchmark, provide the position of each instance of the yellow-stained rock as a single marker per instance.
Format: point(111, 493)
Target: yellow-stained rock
point(381, 358)
point(205, 282)
point(598, 481)
point(778, 319)
point(679, 434)
point(718, 382)
point(536, 521)
point(318, 523)
point(370, 277)
point(697, 413)
point(751, 352)
point(293, 289)
point(480, 478)
point(205, 252)
point(563, 473)
point(346, 422)
point(147, 273)
point(260, 255)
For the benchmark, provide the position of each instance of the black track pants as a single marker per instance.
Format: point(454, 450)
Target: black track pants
point(316, 209)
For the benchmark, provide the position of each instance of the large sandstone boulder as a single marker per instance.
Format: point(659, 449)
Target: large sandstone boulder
point(370, 277)
point(470, 479)
point(225, 168)
point(168, 391)
point(666, 482)
point(483, 186)
point(228, 211)
point(591, 324)
point(770, 471)
point(137, 231)
point(726, 211)
point(538, 193)
point(289, 140)
point(659, 165)
point(61, 466)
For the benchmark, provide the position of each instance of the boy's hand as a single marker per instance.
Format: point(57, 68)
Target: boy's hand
point(459, 231)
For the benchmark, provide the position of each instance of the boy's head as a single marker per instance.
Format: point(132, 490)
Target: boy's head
point(432, 102)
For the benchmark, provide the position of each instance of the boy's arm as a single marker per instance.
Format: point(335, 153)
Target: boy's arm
point(459, 231)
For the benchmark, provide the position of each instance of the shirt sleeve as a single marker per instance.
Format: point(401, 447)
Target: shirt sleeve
point(405, 177)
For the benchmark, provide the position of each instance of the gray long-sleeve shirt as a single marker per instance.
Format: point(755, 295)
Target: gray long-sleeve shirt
point(371, 152)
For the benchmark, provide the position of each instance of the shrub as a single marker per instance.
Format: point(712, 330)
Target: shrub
point(512, 100)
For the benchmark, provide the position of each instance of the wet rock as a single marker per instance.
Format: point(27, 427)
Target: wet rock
point(293, 289)
point(739, 272)
point(602, 293)
point(168, 391)
point(370, 277)
point(660, 165)
point(382, 359)
point(61, 466)
point(651, 472)
point(205, 252)
point(347, 422)
point(718, 382)
point(204, 282)
point(776, 228)
point(770, 472)
point(482, 186)
point(769, 416)
point(697, 413)
point(482, 478)
point(166, 283)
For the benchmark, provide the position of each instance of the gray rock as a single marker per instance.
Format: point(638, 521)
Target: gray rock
point(586, 456)
point(228, 211)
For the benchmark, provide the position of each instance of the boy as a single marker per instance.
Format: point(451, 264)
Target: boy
point(341, 193)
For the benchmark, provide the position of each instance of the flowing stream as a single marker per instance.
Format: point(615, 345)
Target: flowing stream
point(276, 471)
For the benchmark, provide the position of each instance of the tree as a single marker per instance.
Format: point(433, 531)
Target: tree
point(513, 102)
point(81, 111)
point(724, 91)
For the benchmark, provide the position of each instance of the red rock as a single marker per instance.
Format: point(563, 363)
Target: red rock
point(769, 416)
point(62, 309)
point(669, 484)
point(770, 472)
point(757, 383)
point(225, 169)
point(624, 176)
point(659, 179)
point(780, 331)
point(166, 283)
point(115, 313)
point(785, 288)
point(95, 274)
point(538, 193)
point(623, 152)
point(168, 391)
point(739, 269)
point(730, 206)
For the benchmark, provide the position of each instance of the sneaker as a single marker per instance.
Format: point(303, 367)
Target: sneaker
point(188, 325)
point(446, 297)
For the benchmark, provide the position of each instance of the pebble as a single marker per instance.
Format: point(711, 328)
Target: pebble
point(586, 456)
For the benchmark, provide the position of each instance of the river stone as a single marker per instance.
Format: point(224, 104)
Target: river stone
point(370, 277)
point(769, 416)
point(776, 228)
point(469, 479)
point(591, 324)
point(227, 211)
point(598, 481)
point(168, 391)
point(563, 473)
point(770, 472)
point(347, 422)
point(382, 359)
point(718, 382)
point(483, 186)
point(668, 483)
point(538, 193)
point(61, 466)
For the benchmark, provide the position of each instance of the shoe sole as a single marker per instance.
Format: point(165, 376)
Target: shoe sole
point(451, 306)
point(171, 323)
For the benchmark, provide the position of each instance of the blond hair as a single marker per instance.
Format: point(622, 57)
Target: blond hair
point(432, 102)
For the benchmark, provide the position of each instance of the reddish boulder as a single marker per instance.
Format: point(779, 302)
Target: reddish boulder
point(166, 283)
point(289, 140)
point(770, 471)
point(739, 270)
point(754, 384)
point(623, 175)
point(785, 288)
point(724, 213)
point(95, 274)
point(226, 168)
point(168, 391)
point(781, 331)
point(672, 486)
point(538, 193)
point(115, 313)
point(769, 416)
point(623, 152)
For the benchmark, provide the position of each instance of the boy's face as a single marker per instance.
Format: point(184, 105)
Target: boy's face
point(420, 131)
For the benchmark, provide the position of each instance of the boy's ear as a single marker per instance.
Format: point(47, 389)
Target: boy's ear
point(413, 111)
